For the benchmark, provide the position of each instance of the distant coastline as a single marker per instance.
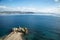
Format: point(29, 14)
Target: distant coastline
point(27, 13)
point(9, 12)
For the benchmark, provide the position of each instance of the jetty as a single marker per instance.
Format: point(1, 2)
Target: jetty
point(16, 34)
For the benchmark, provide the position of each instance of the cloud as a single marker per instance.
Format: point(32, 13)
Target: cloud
point(2, 6)
point(45, 10)
point(5, 8)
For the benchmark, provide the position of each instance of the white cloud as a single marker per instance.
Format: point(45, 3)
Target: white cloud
point(2, 6)
point(5, 8)
point(45, 10)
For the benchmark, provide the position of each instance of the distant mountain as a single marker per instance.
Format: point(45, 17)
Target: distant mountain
point(13, 12)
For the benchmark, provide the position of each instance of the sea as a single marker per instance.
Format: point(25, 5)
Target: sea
point(40, 27)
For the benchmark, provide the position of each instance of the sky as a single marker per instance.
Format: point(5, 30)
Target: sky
point(50, 6)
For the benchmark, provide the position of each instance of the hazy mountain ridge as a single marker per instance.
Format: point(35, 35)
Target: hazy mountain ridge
point(27, 12)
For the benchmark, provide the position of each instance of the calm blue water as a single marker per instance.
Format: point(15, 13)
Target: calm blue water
point(40, 27)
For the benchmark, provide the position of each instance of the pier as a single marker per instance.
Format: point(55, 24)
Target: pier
point(16, 34)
